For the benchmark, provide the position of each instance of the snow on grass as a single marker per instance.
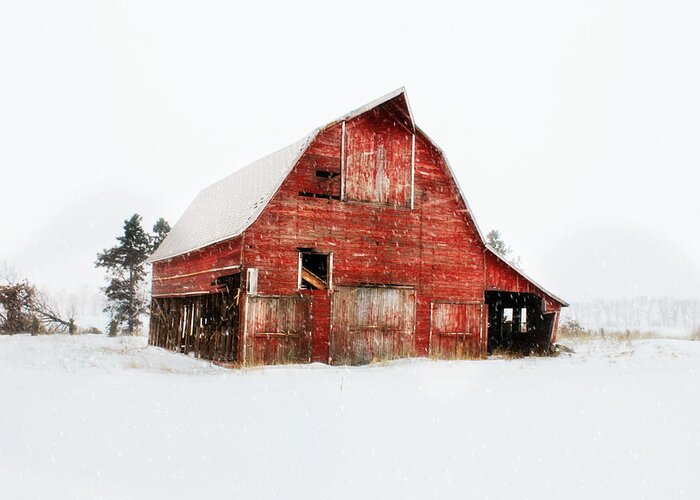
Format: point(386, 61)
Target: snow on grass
point(94, 417)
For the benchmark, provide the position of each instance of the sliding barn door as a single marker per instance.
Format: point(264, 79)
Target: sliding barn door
point(371, 324)
point(455, 329)
point(278, 330)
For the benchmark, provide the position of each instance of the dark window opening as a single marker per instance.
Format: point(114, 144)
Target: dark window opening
point(315, 270)
point(229, 283)
point(319, 195)
point(507, 319)
point(326, 174)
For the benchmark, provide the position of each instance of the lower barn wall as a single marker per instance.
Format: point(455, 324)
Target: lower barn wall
point(352, 325)
point(277, 329)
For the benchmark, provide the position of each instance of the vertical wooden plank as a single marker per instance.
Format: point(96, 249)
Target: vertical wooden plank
point(372, 324)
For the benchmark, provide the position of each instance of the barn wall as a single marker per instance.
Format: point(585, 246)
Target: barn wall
point(434, 248)
point(194, 272)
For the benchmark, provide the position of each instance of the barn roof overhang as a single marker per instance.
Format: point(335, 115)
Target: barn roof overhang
point(520, 272)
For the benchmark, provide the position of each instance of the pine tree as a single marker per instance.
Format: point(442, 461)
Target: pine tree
point(126, 300)
point(496, 242)
point(160, 230)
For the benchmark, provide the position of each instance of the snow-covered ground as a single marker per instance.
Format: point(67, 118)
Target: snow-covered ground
point(93, 417)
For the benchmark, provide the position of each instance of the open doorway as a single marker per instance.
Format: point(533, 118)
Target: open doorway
point(517, 323)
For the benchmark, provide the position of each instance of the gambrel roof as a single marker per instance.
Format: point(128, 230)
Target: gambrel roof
point(227, 208)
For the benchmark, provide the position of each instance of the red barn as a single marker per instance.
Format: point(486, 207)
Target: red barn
point(352, 245)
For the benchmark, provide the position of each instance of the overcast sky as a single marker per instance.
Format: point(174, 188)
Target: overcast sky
point(573, 127)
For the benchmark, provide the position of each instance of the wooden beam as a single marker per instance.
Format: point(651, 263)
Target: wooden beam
point(312, 279)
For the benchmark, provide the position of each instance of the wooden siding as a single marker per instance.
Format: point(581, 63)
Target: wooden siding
point(320, 321)
point(278, 330)
point(456, 329)
point(378, 159)
point(194, 273)
point(371, 324)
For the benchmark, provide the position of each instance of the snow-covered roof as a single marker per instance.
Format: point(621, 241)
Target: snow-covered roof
point(401, 91)
point(227, 208)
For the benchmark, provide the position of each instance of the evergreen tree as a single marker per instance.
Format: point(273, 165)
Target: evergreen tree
point(160, 230)
point(494, 239)
point(126, 300)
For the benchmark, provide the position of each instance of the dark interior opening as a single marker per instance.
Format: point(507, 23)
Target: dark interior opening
point(321, 183)
point(324, 196)
point(326, 174)
point(205, 325)
point(229, 283)
point(314, 270)
point(517, 323)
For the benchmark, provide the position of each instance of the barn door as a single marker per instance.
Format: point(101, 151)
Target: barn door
point(455, 329)
point(278, 330)
point(371, 324)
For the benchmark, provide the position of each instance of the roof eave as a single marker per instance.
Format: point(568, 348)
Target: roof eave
point(562, 302)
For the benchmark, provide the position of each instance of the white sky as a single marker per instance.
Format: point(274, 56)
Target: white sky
point(572, 126)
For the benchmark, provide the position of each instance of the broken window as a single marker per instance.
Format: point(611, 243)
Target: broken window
point(314, 270)
point(324, 174)
point(321, 184)
point(252, 281)
point(523, 320)
point(508, 315)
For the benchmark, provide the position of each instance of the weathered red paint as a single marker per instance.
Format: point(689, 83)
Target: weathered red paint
point(195, 272)
point(407, 225)
point(378, 155)
point(456, 328)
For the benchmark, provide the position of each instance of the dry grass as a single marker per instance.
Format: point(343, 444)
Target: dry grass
point(572, 330)
point(695, 335)
point(508, 353)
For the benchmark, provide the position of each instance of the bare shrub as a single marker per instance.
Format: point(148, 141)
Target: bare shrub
point(572, 329)
point(25, 309)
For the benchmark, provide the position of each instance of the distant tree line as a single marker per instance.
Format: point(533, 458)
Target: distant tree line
point(640, 313)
